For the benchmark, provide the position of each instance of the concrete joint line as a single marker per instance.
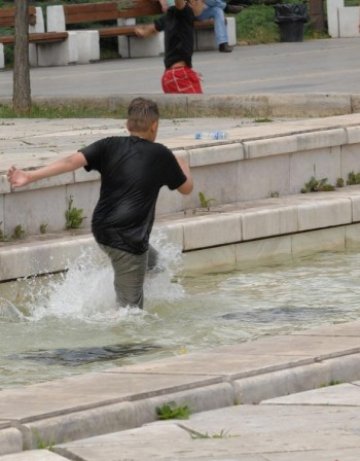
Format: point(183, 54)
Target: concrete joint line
point(67, 454)
point(292, 366)
point(293, 380)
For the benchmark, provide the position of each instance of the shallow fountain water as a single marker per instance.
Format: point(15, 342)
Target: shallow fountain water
point(68, 323)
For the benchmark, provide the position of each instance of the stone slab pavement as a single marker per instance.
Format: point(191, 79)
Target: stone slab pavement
point(35, 142)
point(110, 415)
point(300, 427)
point(314, 66)
point(246, 433)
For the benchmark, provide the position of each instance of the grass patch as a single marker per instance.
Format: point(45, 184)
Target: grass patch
point(64, 111)
point(256, 25)
point(99, 109)
point(171, 411)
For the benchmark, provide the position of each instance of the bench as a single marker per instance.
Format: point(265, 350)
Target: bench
point(37, 35)
point(124, 16)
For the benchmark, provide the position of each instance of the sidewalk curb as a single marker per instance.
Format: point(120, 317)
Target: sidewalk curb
point(131, 414)
point(200, 105)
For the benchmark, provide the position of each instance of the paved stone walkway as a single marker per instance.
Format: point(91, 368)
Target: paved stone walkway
point(313, 66)
point(111, 415)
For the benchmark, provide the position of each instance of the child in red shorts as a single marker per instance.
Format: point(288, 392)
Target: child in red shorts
point(178, 26)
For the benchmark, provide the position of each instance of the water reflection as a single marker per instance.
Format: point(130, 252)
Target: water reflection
point(83, 355)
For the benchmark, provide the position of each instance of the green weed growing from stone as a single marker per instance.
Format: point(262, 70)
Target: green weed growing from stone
point(317, 185)
point(73, 216)
point(332, 382)
point(205, 202)
point(205, 435)
point(340, 182)
point(42, 444)
point(18, 232)
point(171, 411)
point(43, 228)
point(353, 178)
point(263, 120)
point(2, 235)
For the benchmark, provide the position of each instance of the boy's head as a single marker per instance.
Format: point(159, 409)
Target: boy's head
point(142, 115)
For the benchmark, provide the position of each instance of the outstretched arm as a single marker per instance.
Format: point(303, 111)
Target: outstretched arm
point(187, 187)
point(145, 30)
point(19, 178)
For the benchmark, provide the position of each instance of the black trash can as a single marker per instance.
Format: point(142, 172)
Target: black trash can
point(291, 17)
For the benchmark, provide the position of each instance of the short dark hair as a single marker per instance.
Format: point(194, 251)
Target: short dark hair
point(141, 114)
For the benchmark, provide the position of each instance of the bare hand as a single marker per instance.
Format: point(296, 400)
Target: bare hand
point(17, 178)
point(139, 31)
point(145, 30)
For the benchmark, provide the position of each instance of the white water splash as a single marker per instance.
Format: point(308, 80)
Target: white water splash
point(9, 312)
point(85, 292)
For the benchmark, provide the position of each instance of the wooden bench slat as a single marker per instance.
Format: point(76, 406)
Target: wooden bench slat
point(75, 14)
point(108, 32)
point(96, 12)
point(7, 39)
point(7, 16)
point(37, 37)
point(88, 12)
point(48, 37)
point(115, 31)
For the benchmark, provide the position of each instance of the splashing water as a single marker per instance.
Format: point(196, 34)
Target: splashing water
point(85, 292)
point(9, 312)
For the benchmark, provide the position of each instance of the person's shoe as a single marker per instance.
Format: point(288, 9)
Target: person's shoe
point(233, 9)
point(225, 48)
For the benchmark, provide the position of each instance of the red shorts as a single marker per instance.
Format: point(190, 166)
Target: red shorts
point(181, 80)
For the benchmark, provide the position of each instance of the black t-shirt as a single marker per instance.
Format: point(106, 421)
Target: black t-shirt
point(132, 172)
point(179, 35)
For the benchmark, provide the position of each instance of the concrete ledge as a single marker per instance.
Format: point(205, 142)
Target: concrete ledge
point(353, 135)
point(319, 214)
point(209, 231)
point(258, 231)
point(255, 389)
point(242, 208)
point(284, 155)
point(35, 455)
point(125, 415)
point(43, 257)
point(214, 155)
point(11, 441)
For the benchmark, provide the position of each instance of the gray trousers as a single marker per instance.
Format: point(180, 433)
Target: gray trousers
point(129, 274)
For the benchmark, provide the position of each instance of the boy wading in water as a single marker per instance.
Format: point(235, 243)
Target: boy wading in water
point(133, 169)
point(178, 26)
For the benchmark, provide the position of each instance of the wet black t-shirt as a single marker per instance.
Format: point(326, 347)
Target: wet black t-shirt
point(179, 35)
point(132, 172)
